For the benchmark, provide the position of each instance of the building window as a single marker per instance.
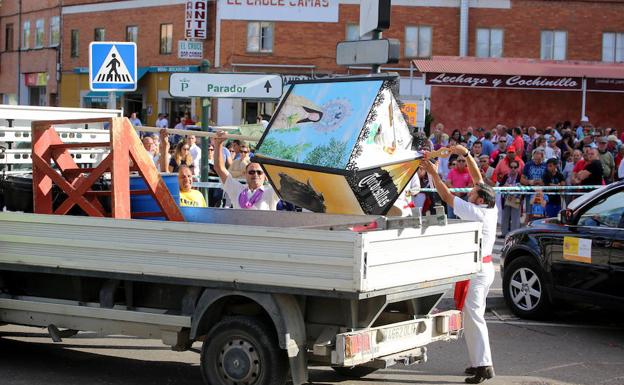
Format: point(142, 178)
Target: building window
point(26, 35)
point(489, 42)
point(166, 38)
point(8, 37)
point(613, 47)
point(259, 36)
point(554, 45)
point(55, 31)
point(99, 34)
point(353, 33)
point(39, 31)
point(74, 43)
point(132, 33)
point(418, 41)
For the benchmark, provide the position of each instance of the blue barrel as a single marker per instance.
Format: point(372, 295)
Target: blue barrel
point(144, 202)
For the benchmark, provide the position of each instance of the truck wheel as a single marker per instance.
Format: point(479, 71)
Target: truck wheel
point(525, 290)
point(242, 351)
point(354, 371)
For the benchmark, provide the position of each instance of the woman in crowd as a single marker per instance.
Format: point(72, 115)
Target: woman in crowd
point(181, 156)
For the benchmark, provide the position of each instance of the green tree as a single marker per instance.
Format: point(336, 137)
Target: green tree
point(278, 149)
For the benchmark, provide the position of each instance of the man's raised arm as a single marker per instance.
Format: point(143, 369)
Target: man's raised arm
point(219, 164)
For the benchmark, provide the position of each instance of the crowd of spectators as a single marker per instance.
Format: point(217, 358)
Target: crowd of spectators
point(559, 155)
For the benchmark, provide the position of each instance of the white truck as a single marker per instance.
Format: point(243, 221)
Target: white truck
point(266, 293)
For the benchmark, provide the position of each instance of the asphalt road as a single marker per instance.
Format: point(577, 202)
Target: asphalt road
point(577, 347)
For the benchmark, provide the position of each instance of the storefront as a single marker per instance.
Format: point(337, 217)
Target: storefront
point(150, 98)
point(477, 92)
point(36, 84)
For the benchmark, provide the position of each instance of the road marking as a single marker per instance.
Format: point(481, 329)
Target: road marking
point(572, 326)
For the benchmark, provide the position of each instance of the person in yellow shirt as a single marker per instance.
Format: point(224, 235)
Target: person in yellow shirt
point(188, 196)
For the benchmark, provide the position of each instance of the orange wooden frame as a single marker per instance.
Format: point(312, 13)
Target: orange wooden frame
point(76, 182)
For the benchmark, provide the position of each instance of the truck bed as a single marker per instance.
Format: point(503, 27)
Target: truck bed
point(264, 251)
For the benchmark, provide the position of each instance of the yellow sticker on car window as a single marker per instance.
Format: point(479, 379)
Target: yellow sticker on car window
point(577, 249)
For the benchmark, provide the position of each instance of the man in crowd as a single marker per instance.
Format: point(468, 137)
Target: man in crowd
point(479, 207)
point(255, 195)
point(533, 172)
point(499, 153)
point(458, 177)
point(488, 146)
point(517, 141)
point(502, 168)
point(486, 170)
point(188, 196)
point(553, 177)
point(606, 159)
point(195, 152)
point(591, 175)
point(476, 150)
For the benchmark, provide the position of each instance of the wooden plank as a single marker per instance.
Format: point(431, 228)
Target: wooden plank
point(79, 145)
point(151, 176)
point(82, 185)
point(199, 134)
point(120, 168)
point(42, 184)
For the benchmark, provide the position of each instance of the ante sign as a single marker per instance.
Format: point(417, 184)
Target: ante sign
point(196, 19)
point(503, 81)
point(279, 10)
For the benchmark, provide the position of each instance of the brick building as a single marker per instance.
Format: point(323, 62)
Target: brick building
point(29, 54)
point(263, 42)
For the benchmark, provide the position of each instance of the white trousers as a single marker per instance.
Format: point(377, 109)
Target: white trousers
point(475, 328)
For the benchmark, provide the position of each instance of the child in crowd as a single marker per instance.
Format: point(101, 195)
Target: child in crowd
point(538, 206)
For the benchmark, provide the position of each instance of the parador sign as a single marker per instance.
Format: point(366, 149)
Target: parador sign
point(504, 81)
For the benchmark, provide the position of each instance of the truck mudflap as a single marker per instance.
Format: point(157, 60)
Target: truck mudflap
point(403, 340)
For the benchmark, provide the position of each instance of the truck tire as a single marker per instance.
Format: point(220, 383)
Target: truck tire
point(525, 290)
point(243, 351)
point(354, 371)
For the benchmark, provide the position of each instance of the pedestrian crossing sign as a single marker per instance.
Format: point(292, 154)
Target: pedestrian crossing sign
point(112, 66)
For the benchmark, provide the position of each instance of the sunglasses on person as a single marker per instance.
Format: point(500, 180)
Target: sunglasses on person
point(211, 149)
point(514, 168)
point(185, 148)
point(244, 152)
point(461, 161)
point(257, 172)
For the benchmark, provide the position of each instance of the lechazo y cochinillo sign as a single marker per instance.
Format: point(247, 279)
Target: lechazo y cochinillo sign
point(504, 81)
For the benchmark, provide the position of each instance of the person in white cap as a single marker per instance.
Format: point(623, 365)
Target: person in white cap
point(481, 206)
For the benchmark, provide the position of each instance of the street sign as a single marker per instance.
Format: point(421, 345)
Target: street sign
point(374, 15)
point(112, 66)
point(368, 52)
point(247, 86)
point(190, 49)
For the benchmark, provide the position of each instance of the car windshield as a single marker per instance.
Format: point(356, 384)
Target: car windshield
point(578, 202)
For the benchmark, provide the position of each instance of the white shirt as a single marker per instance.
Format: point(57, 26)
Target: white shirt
point(471, 212)
point(162, 123)
point(621, 170)
point(196, 154)
point(234, 188)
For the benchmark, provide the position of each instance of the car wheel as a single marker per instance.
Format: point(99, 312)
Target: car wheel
point(525, 290)
point(354, 371)
point(243, 351)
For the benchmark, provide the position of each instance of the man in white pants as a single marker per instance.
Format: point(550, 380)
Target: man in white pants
point(481, 206)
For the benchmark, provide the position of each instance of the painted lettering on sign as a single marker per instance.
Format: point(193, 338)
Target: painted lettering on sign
point(504, 81)
point(196, 19)
point(280, 10)
point(373, 183)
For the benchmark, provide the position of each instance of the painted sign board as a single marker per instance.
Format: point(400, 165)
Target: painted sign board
point(112, 66)
point(503, 81)
point(246, 86)
point(196, 19)
point(324, 11)
point(190, 49)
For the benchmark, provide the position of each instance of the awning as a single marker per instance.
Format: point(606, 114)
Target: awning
point(100, 96)
point(451, 71)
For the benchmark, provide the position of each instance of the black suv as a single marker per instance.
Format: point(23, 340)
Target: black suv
point(577, 257)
